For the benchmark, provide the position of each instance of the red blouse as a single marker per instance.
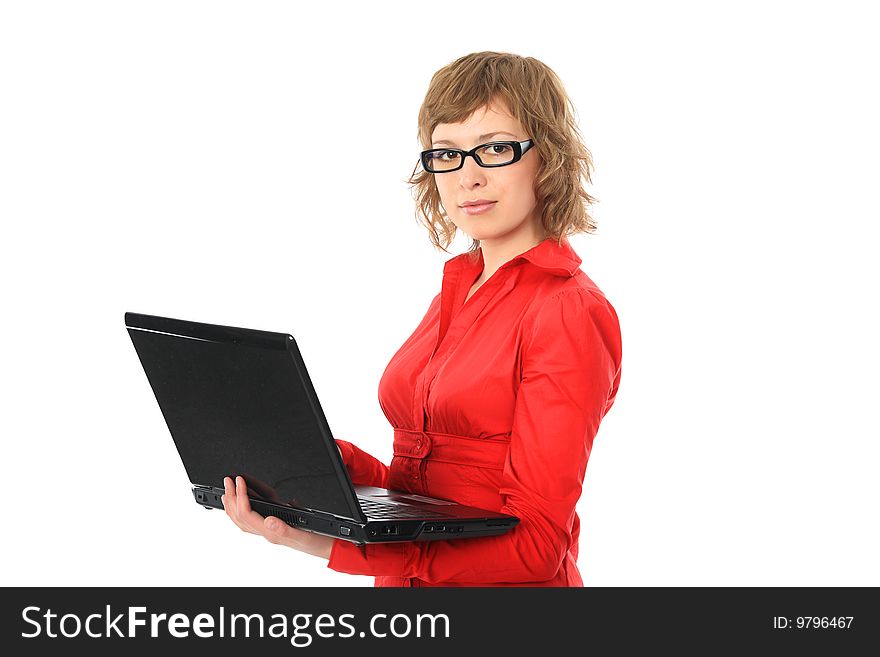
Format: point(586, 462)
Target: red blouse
point(495, 404)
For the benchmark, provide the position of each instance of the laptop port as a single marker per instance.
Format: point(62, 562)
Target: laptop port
point(440, 528)
point(429, 529)
point(302, 520)
point(389, 529)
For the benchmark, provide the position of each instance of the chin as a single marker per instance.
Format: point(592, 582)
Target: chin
point(487, 232)
point(479, 234)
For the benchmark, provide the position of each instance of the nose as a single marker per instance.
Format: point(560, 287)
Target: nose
point(471, 174)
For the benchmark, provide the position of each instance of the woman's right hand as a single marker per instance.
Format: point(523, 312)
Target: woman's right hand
point(238, 508)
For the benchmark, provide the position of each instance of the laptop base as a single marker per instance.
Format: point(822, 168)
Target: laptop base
point(384, 530)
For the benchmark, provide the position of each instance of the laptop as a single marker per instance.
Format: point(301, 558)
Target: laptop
point(240, 401)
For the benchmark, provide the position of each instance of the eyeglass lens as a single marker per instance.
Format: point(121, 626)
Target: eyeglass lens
point(489, 154)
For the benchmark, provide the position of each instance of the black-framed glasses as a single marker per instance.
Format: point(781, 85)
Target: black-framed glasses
point(493, 154)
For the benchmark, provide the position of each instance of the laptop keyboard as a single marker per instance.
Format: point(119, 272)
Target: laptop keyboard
point(374, 509)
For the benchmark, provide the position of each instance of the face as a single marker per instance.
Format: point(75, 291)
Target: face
point(514, 216)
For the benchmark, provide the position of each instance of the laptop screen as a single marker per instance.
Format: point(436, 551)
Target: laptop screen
point(236, 408)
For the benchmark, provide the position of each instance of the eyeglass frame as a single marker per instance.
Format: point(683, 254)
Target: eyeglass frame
point(520, 148)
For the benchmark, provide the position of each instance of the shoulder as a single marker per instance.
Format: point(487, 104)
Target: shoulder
point(577, 299)
point(577, 314)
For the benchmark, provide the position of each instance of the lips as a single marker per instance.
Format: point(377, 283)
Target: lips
point(478, 208)
point(476, 204)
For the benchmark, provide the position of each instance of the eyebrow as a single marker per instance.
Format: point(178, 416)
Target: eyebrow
point(480, 138)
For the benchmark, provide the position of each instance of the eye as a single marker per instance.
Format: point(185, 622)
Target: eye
point(498, 149)
point(442, 155)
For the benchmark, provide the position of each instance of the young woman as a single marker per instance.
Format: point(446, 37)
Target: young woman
point(496, 397)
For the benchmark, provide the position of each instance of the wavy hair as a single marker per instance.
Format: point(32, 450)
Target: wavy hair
point(536, 97)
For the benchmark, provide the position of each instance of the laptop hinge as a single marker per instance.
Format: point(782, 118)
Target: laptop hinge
point(329, 516)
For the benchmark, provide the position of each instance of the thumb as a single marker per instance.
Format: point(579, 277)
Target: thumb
point(275, 525)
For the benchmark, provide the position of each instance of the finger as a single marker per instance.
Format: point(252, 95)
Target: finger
point(247, 516)
point(242, 504)
point(228, 497)
point(227, 492)
point(230, 504)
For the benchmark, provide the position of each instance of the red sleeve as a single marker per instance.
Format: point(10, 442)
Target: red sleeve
point(571, 371)
point(363, 469)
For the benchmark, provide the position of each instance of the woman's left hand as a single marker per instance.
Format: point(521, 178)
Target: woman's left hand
point(274, 530)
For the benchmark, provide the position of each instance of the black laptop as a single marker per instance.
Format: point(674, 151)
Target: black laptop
point(240, 402)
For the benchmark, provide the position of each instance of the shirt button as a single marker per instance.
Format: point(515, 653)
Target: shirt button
point(418, 444)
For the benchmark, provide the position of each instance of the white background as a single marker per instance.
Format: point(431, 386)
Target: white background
point(187, 159)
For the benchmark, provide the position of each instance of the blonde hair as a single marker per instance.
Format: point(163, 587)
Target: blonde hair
point(536, 97)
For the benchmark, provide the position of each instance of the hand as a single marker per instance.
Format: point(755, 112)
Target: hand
point(238, 508)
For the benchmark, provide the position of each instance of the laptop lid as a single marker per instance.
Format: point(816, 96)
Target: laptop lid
point(239, 401)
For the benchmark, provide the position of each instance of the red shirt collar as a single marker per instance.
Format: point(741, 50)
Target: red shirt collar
point(560, 260)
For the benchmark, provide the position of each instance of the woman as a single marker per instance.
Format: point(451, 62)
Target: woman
point(496, 397)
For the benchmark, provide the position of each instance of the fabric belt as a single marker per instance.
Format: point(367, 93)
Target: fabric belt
point(489, 452)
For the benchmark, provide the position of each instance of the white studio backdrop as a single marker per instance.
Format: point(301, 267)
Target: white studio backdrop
point(245, 164)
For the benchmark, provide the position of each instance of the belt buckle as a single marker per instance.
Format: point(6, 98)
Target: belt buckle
point(424, 444)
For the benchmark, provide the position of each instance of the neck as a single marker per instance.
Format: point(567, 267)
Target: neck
point(499, 250)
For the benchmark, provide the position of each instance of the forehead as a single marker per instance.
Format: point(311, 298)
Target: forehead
point(489, 118)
